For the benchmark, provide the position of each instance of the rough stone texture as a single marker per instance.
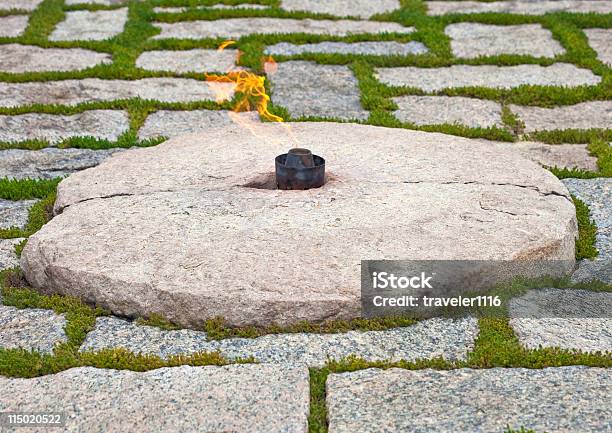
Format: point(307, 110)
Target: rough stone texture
point(435, 110)
point(568, 319)
point(539, 7)
point(14, 213)
point(24, 5)
point(471, 40)
point(96, 2)
point(601, 41)
point(169, 123)
point(72, 92)
point(53, 128)
point(563, 400)
point(186, 195)
point(380, 48)
point(17, 58)
point(309, 89)
point(501, 77)
point(586, 115)
point(8, 258)
point(12, 26)
point(238, 27)
point(232, 398)
point(90, 25)
point(48, 163)
point(31, 329)
point(188, 61)
point(343, 8)
point(218, 6)
point(424, 340)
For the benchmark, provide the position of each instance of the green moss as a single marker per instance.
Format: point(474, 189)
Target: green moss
point(587, 231)
point(24, 189)
point(158, 321)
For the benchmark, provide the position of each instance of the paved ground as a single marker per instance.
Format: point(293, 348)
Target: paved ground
point(83, 79)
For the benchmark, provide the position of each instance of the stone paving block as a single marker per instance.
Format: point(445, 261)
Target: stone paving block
point(8, 257)
point(90, 25)
point(527, 7)
point(601, 41)
point(31, 329)
point(436, 110)
point(14, 213)
point(72, 92)
point(54, 128)
point(163, 9)
point(96, 2)
point(24, 5)
point(380, 48)
point(12, 26)
point(17, 58)
point(197, 60)
point(471, 40)
point(585, 115)
point(561, 400)
point(309, 89)
point(237, 27)
point(425, 340)
point(343, 8)
point(168, 123)
point(232, 398)
point(500, 77)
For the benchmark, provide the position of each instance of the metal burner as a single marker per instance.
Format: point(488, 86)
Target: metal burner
point(299, 169)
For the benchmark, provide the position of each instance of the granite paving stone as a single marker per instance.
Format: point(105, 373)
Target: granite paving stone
point(31, 329)
point(343, 8)
point(561, 400)
point(375, 48)
point(163, 9)
point(585, 115)
point(527, 7)
point(8, 257)
point(24, 5)
point(96, 2)
point(12, 26)
point(14, 213)
point(90, 25)
point(17, 58)
point(197, 60)
point(601, 41)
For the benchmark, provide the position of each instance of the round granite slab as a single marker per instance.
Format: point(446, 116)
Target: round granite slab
point(190, 230)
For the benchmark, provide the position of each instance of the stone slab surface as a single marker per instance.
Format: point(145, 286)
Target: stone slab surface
point(96, 2)
point(14, 213)
point(72, 92)
point(197, 60)
point(586, 115)
point(601, 41)
point(567, 319)
point(167, 123)
point(501, 77)
point(238, 27)
point(163, 9)
point(12, 26)
point(562, 400)
point(425, 340)
point(25, 5)
point(53, 128)
point(17, 58)
point(90, 25)
point(233, 398)
point(379, 48)
point(202, 217)
point(527, 7)
point(309, 89)
point(436, 110)
point(31, 329)
point(8, 257)
point(343, 8)
point(471, 40)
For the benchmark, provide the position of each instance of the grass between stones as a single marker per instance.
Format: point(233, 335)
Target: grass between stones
point(587, 231)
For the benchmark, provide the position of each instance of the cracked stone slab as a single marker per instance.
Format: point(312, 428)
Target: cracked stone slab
point(16, 58)
point(14, 213)
point(72, 92)
point(169, 123)
point(24, 5)
point(12, 26)
point(8, 257)
point(197, 196)
point(527, 7)
point(309, 89)
point(197, 60)
point(231, 398)
point(90, 25)
point(585, 115)
point(31, 329)
point(217, 6)
point(53, 128)
point(377, 48)
point(601, 41)
point(566, 319)
point(425, 340)
point(563, 400)
point(472, 40)
point(436, 110)
point(343, 8)
point(500, 77)
point(237, 27)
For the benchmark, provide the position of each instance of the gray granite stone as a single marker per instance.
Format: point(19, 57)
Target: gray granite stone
point(376, 48)
point(96, 2)
point(24, 5)
point(14, 213)
point(197, 60)
point(17, 58)
point(238, 27)
point(168, 123)
point(585, 115)
point(8, 257)
point(53, 128)
point(309, 89)
point(343, 8)
point(527, 7)
point(425, 340)
point(436, 110)
point(563, 400)
point(601, 41)
point(232, 398)
point(72, 92)
point(12, 26)
point(471, 40)
point(162, 9)
point(90, 25)
point(31, 329)
point(500, 77)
